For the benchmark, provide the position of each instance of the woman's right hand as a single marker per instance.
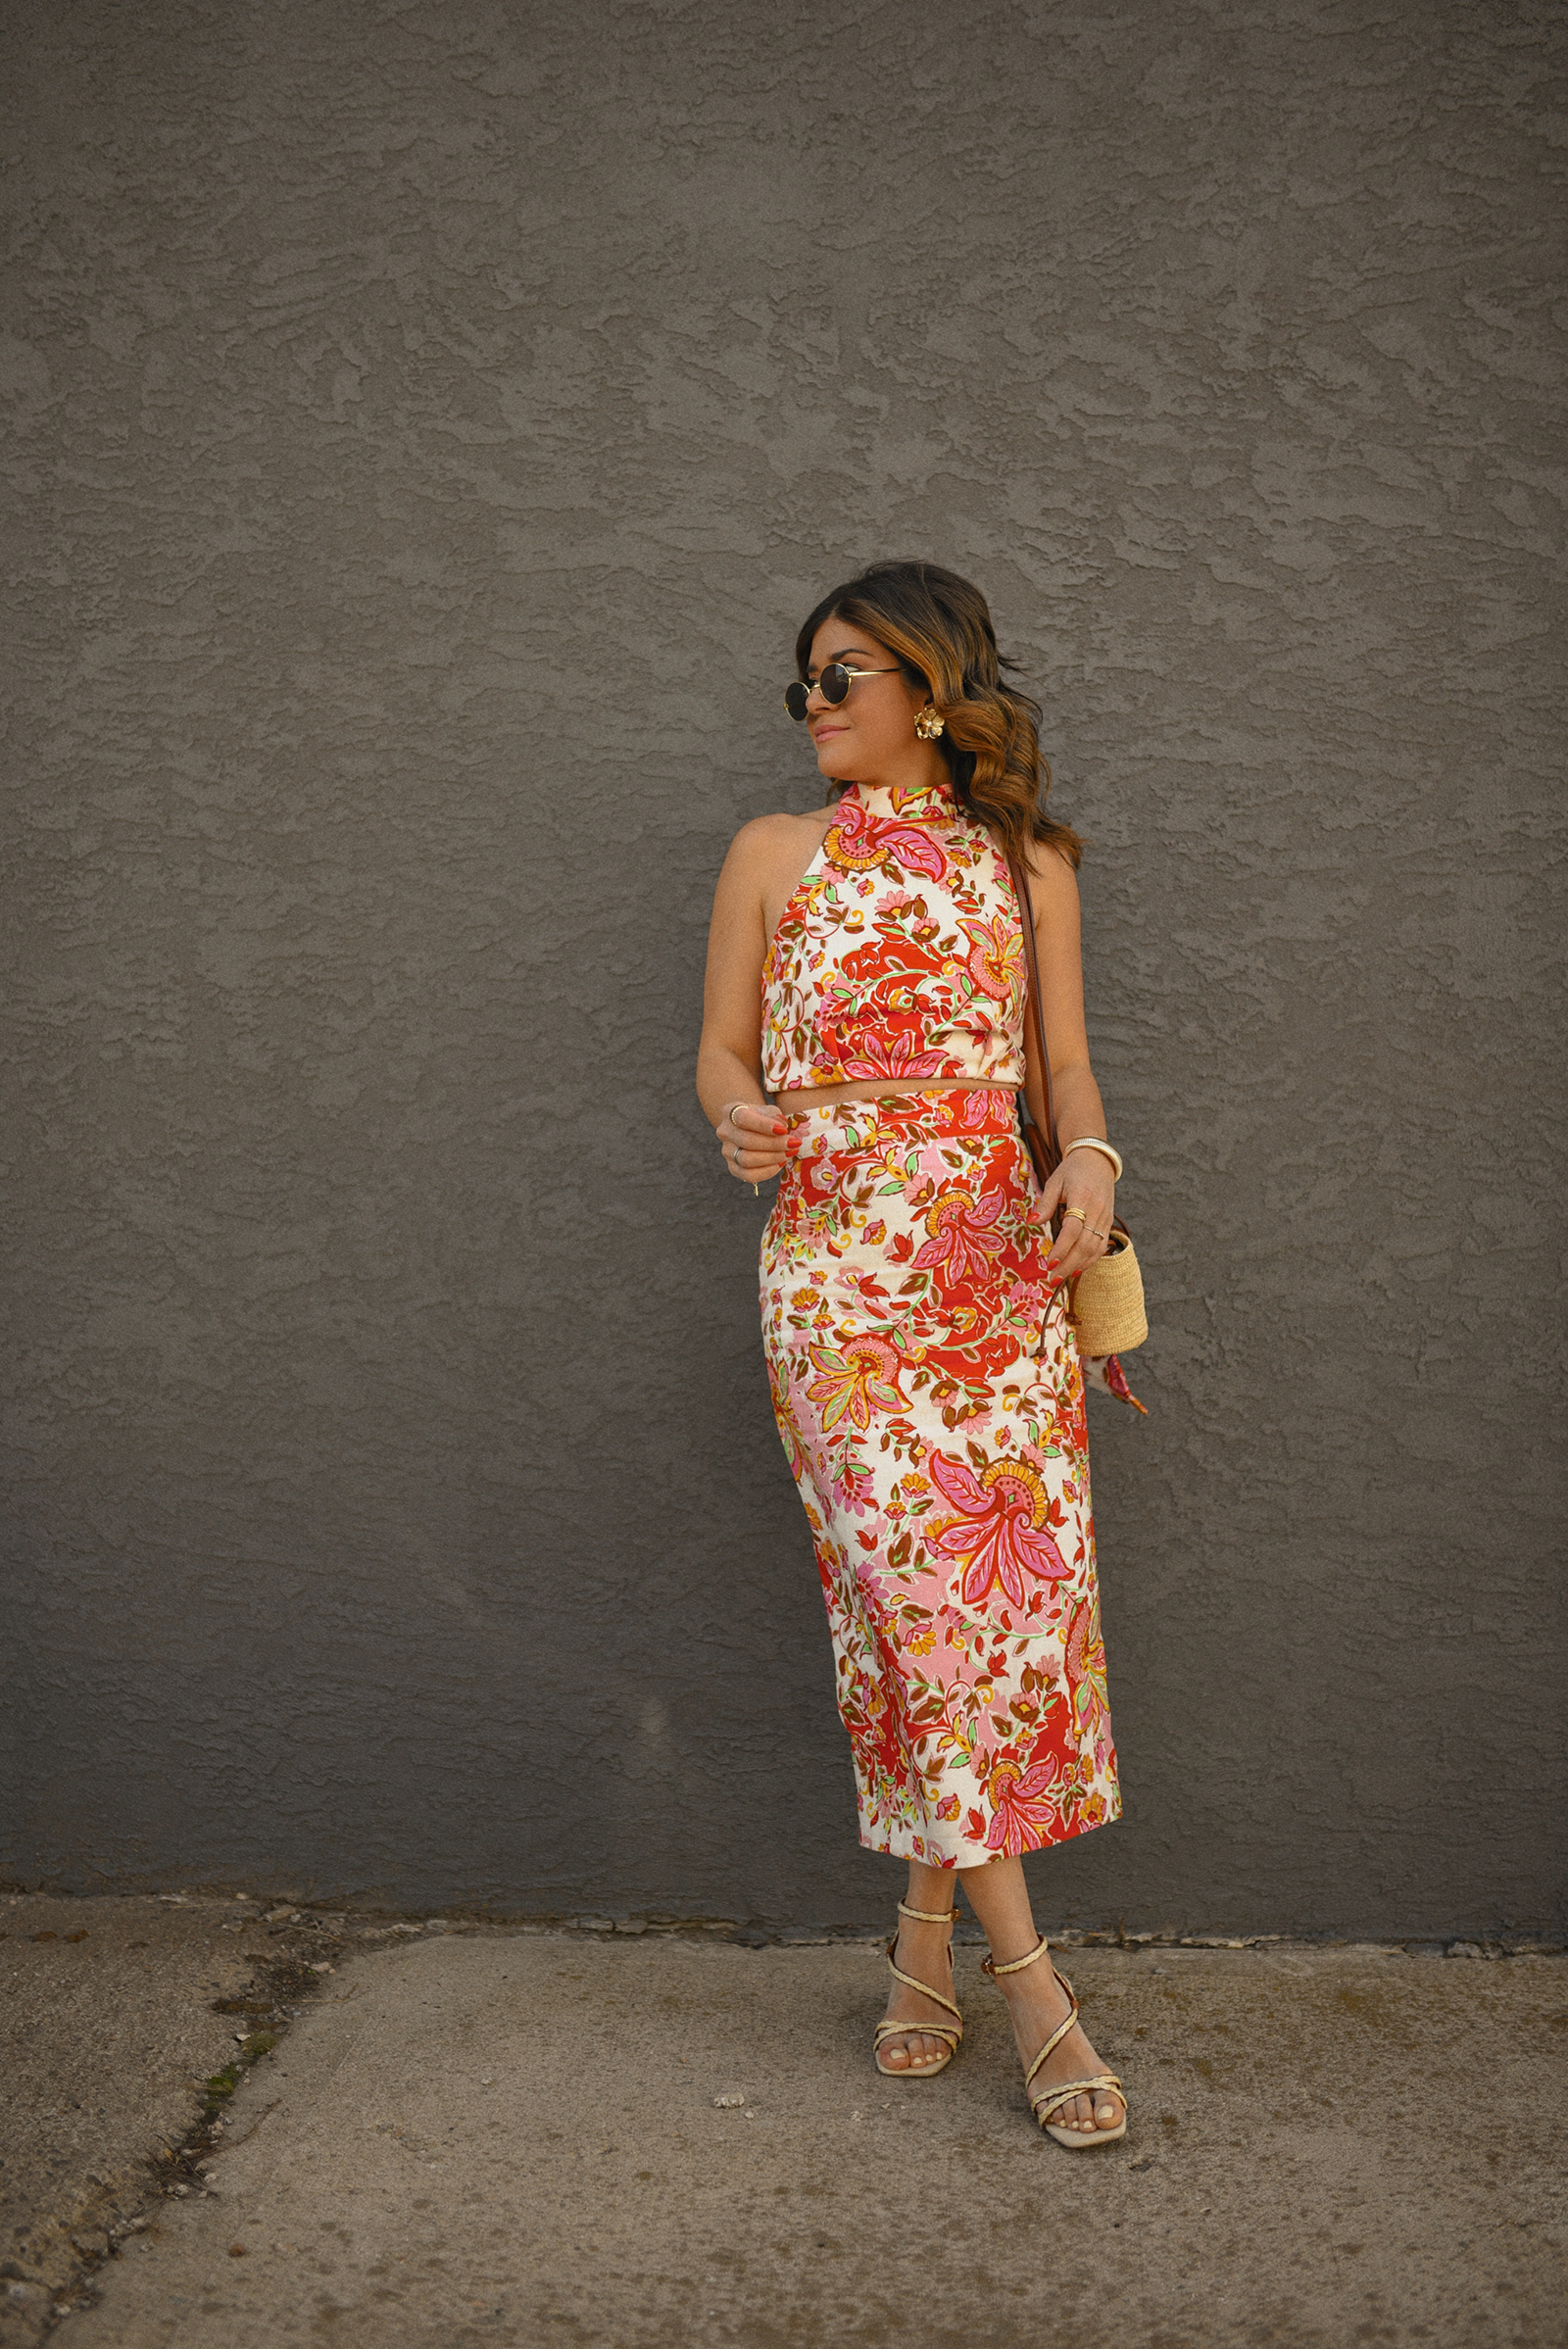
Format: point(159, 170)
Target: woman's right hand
point(752, 1137)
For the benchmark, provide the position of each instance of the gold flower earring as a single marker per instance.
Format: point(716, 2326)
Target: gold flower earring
point(930, 723)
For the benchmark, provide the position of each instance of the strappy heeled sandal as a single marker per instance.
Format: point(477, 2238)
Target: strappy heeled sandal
point(887, 2028)
point(1075, 2139)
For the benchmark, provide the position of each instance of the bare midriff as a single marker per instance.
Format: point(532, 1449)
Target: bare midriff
point(812, 1096)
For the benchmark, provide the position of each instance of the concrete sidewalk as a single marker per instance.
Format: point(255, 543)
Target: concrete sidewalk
point(517, 2137)
point(113, 2014)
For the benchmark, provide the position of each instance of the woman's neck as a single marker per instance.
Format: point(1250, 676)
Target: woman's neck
point(919, 768)
point(909, 800)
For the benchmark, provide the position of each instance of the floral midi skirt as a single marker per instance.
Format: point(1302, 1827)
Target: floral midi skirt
point(931, 1402)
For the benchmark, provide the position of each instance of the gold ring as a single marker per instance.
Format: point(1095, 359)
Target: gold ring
point(1099, 1233)
point(1078, 1211)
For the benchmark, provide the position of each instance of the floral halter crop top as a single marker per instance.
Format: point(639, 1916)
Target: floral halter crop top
point(901, 952)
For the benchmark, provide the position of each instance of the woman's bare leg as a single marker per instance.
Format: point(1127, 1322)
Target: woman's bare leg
point(923, 1951)
point(999, 1898)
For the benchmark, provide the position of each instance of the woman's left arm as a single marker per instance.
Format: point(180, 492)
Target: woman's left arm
point(1083, 1185)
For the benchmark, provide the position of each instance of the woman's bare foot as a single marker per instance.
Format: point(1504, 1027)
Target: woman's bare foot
point(923, 1950)
point(1038, 2003)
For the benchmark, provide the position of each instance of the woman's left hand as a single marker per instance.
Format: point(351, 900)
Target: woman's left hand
point(1084, 1188)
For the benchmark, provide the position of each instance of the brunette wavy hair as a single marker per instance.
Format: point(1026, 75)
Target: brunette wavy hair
point(938, 628)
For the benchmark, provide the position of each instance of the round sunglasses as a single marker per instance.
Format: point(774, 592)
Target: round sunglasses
point(833, 684)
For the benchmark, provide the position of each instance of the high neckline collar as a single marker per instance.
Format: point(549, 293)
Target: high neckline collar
point(921, 803)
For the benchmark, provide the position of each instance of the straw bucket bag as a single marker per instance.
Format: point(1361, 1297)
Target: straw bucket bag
point(1106, 1309)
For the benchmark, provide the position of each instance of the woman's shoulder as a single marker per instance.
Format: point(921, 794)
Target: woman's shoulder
point(771, 839)
point(1050, 874)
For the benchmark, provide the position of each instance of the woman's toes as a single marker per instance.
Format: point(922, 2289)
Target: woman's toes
point(916, 2052)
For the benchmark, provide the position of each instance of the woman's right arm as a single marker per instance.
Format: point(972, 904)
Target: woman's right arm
point(729, 1058)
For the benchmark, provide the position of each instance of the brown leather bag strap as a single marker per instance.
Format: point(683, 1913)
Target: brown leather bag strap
point(1047, 1149)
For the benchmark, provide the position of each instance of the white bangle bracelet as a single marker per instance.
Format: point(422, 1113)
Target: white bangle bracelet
point(1091, 1142)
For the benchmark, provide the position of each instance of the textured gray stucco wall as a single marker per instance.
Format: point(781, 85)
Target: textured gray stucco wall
point(428, 425)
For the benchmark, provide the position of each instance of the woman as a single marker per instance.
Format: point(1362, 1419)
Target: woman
point(866, 970)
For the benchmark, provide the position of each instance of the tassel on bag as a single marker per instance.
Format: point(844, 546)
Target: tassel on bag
point(1107, 1303)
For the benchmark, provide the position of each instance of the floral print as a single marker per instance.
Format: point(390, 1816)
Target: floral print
point(899, 953)
point(927, 1388)
point(998, 1533)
